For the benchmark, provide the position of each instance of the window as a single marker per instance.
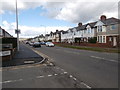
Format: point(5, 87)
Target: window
point(113, 27)
point(103, 39)
point(84, 31)
point(99, 28)
point(110, 39)
point(89, 30)
point(100, 39)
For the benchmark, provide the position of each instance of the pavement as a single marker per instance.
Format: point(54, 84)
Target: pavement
point(96, 69)
point(24, 56)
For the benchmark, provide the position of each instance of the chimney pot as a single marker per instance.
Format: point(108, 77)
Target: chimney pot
point(103, 17)
point(79, 24)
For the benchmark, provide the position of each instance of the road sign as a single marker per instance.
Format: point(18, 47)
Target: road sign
point(17, 31)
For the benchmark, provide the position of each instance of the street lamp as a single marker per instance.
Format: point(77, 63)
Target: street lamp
point(17, 31)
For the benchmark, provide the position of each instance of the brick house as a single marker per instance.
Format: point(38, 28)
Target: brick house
point(108, 31)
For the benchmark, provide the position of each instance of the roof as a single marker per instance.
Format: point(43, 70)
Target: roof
point(111, 21)
point(92, 24)
point(81, 28)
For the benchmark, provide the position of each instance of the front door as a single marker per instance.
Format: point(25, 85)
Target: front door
point(114, 41)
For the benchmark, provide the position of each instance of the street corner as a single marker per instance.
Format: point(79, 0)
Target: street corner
point(53, 77)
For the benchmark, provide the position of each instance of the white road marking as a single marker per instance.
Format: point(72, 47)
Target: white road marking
point(86, 85)
point(39, 76)
point(74, 78)
point(71, 76)
point(65, 72)
point(49, 75)
point(55, 74)
point(29, 61)
point(104, 59)
point(9, 81)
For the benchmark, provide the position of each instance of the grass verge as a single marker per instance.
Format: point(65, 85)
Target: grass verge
point(110, 50)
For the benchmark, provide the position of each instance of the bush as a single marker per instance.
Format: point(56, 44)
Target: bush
point(92, 40)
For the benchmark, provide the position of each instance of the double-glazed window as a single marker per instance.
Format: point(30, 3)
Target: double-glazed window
point(113, 27)
point(89, 31)
point(99, 28)
point(101, 39)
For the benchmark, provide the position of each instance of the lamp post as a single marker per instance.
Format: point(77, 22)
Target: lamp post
point(17, 31)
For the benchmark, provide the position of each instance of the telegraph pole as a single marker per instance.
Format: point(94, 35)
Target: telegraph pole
point(17, 31)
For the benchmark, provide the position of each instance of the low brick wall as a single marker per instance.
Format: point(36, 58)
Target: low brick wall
point(103, 45)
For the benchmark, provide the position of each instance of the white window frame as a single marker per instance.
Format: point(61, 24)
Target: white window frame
point(103, 39)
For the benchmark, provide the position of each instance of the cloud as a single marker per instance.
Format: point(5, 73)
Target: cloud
point(67, 10)
point(27, 31)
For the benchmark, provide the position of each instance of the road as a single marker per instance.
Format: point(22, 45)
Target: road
point(96, 69)
point(17, 74)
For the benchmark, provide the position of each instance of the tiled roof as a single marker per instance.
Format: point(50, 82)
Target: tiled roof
point(92, 24)
point(110, 21)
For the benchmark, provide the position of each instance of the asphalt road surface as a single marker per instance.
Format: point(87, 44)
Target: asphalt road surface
point(96, 69)
point(38, 76)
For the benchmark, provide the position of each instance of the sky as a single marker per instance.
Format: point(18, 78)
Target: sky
point(37, 17)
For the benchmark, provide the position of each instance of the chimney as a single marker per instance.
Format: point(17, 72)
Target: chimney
point(56, 30)
point(79, 24)
point(103, 17)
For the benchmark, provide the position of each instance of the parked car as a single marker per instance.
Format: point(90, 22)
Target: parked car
point(42, 43)
point(31, 43)
point(50, 44)
point(36, 44)
point(27, 42)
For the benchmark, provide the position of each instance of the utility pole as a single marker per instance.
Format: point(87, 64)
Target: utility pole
point(17, 31)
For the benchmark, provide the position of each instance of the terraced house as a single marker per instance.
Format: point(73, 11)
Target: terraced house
point(108, 31)
point(105, 31)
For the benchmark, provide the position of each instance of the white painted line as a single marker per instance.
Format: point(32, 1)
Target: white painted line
point(29, 61)
point(49, 75)
point(65, 72)
point(71, 76)
point(39, 76)
point(74, 78)
point(55, 74)
point(86, 85)
point(9, 81)
point(104, 59)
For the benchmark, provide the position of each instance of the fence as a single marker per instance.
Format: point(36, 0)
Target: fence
point(7, 48)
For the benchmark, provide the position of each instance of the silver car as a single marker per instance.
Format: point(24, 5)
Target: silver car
point(50, 44)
